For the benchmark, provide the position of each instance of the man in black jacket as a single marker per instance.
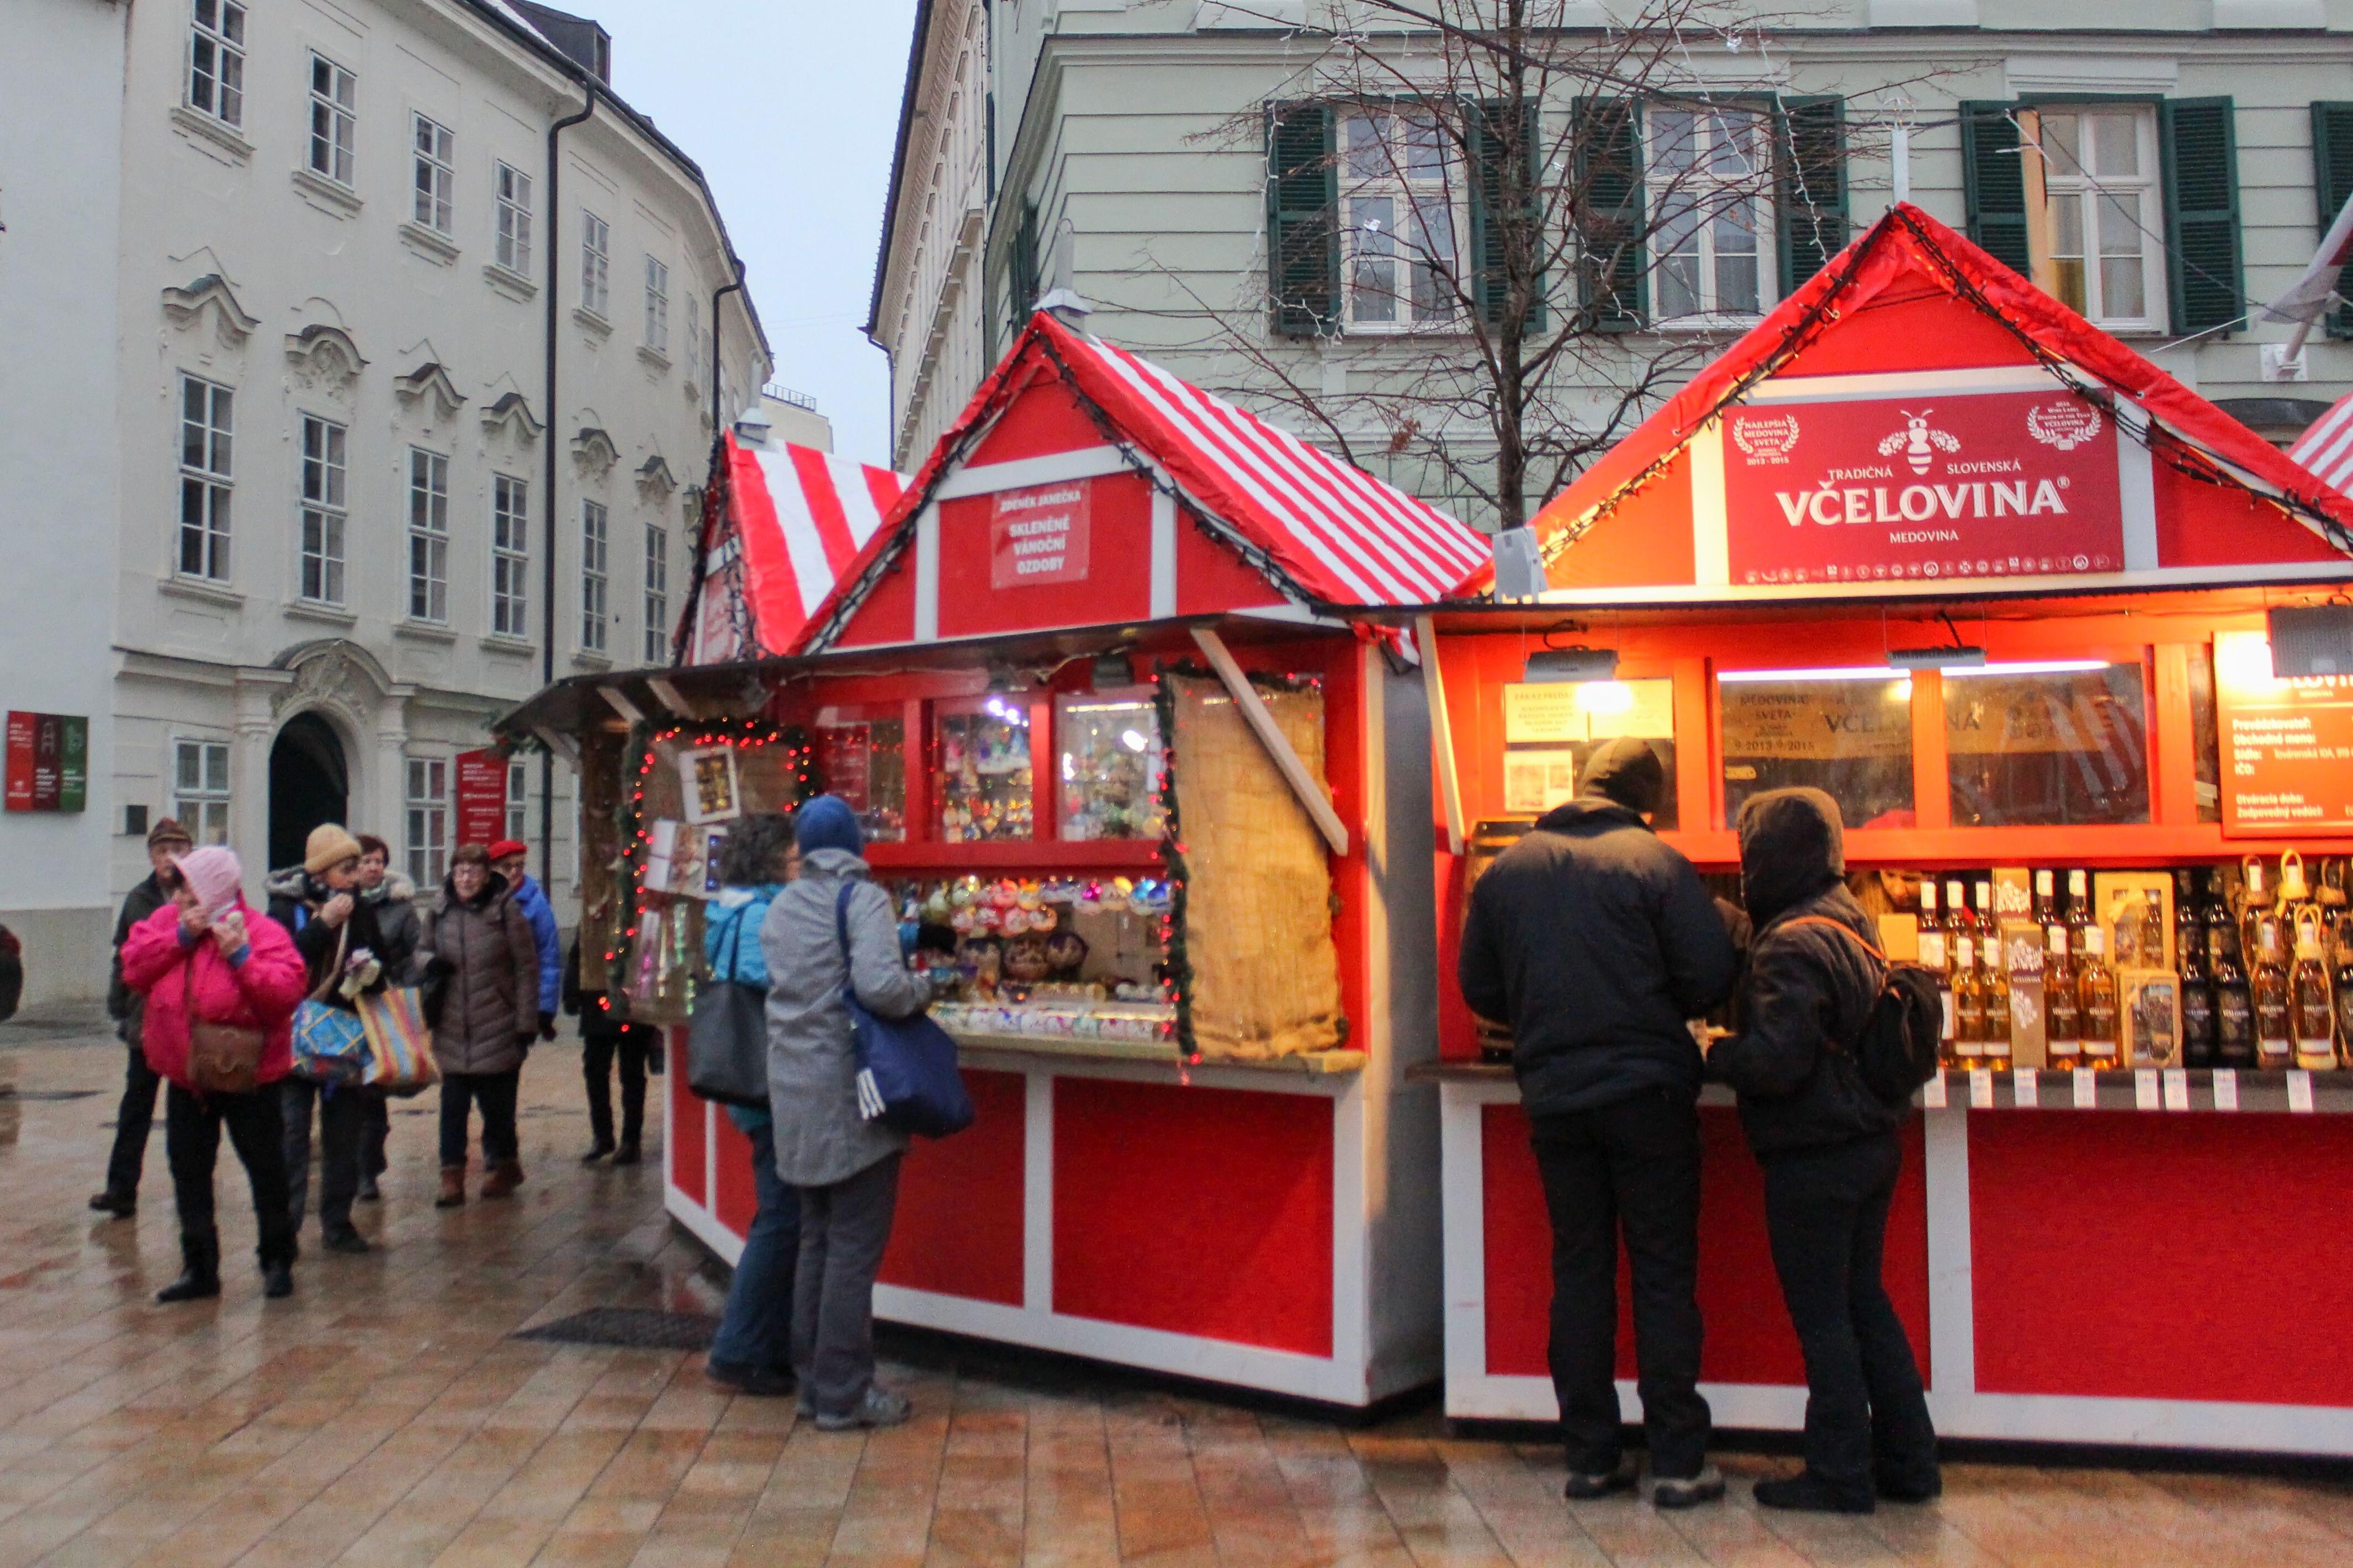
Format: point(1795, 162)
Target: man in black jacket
point(1598, 943)
point(1830, 1156)
point(136, 1115)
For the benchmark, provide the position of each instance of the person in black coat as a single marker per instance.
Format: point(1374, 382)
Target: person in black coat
point(1597, 943)
point(604, 1038)
point(1831, 1155)
point(135, 1117)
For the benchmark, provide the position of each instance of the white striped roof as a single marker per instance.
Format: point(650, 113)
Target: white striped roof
point(2326, 449)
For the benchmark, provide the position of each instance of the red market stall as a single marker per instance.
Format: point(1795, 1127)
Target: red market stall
point(1927, 540)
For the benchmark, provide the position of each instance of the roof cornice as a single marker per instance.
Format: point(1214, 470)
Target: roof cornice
point(907, 95)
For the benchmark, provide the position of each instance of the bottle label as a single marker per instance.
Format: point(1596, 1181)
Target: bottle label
point(2234, 1018)
point(2105, 1051)
point(2100, 1022)
point(1932, 949)
point(1949, 1014)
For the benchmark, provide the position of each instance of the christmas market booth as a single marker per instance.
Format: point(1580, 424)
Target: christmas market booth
point(1154, 802)
point(2068, 647)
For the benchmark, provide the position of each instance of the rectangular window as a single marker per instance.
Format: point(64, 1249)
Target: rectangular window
point(2047, 744)
point(595, 538)
point(428, 536)
point(1110, 769)
point(656, 594)
point(513, 249)
point(595, 277)
point(200, 789)
point(518, 800)
point(983, 780)
point(1847, 732)
point(1711, 205)
point(216, 59)
point(657, 306)
point(323, 510)
point(510, 556)
point(334, 99)
point(862, 753)
point(205, 412)
point(1401, 200)
point(2096, 229)
point(427, 805)
point(436, 174)
point(1552, 729)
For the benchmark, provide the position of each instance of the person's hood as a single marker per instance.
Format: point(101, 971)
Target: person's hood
point(735, 896)
point(296, 884)
point(494, 888)
point(1625, 771)
point(1588, 811)
point(1792, 849)
point(394, 888)
point(832, 863)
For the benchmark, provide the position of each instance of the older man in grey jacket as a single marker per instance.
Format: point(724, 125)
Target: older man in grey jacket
point(846, 1167)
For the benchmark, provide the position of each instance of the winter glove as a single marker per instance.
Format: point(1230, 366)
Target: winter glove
point(441, 968)
point(547, 1025)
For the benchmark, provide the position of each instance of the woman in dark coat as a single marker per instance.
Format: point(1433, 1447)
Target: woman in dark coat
point(1831, 1155)
point(481, 957)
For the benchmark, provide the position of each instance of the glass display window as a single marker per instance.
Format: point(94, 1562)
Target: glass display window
point(2205, 736)
point(1551, 729)
point(1108, 773)
point(861, 756)
point(985, 780)
point(2047, 744)
point(1846, 731)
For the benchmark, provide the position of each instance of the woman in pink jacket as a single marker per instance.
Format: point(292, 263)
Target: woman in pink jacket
point(222, 984)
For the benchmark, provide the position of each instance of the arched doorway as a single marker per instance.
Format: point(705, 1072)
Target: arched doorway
point(309, 783)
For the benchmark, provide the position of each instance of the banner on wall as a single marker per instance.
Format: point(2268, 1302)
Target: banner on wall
point(1039, 535)
point(47, 762)
point(481, 796)
point(2288, 745)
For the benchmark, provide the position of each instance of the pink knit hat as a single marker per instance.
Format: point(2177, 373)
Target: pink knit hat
point(214, 875)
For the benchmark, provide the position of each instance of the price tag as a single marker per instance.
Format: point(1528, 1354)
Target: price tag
point(2024, 1089)
point(2087, 1089)
point(1981, 1089)
point(2299, 1090)
point(2144, 1088)
point(2226, 1089)
point(1932, 1093)
point(2176, 1088)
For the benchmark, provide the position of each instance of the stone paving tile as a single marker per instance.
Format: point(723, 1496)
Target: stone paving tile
point(385, 1416)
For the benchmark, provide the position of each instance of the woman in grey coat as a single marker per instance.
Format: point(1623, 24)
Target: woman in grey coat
point(846, 1167)
point(479, 947)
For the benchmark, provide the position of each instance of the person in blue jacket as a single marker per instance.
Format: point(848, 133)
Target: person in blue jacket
point(508, 857)
point(752, 1352)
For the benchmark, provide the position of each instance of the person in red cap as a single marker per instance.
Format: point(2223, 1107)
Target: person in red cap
point(508, 858)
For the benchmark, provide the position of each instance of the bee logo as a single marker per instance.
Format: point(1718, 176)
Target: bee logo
point(1917, 442)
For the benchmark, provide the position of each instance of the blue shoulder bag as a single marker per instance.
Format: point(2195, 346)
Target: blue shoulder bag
point(907, 1076)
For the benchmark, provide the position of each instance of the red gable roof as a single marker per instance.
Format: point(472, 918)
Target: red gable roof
point(1912, 295)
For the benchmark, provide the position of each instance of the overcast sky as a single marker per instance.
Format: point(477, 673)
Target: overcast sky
point(791, 107)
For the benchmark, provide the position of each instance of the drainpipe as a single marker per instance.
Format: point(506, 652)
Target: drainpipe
point(720, 420)
point(548, 428)
point(720, 417)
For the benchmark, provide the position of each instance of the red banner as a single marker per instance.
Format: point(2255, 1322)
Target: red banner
point(1039, 535)
point(481, 798)
point(24, 732)
point(1929, 486)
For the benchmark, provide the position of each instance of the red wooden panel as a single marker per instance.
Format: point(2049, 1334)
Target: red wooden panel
point(959, 1226)
point(685, 1146)
point(1212, 577)
point(2199, 524)
point(1748, 1338)
point(1044, 420)
point(888, 614)
point(734, 1199)
point(1118, 585)
point(2162, 1256)
point(1199, 1211)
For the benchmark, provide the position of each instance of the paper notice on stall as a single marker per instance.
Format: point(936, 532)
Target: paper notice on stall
point(2226, 1089)
point(682, 860)
point(2087, 1089)
point(1536, 781)
point(2176, 1088)
point(2144, 1088)
point(707, 775)
point(2023, 1089)
point(1932, 1093)
point(1981, 1089)
point(2299, 1090)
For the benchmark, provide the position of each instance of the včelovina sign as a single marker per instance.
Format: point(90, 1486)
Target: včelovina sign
point(1921, 485)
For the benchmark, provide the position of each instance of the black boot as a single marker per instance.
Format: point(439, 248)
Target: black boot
point(199, 1270)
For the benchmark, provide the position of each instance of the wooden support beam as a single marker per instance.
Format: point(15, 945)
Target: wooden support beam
point(1253, 709)
point(621, 705)
point(669, 697)
point(1442, 733)
point(557, 741)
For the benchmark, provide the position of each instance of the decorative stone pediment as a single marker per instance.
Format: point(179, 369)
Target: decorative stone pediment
point(511, 414)
point(428, 389)
point(210, 294)
point(593, 452)
point(324, 355)
point(654, 479)
point(334, 673)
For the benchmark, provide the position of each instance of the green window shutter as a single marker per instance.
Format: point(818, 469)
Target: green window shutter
point(1612, 284)
point(1993, 184)
point(1490, 145)
point(1303, 231)
point(2200, 148)
point(1022, 286)
point(2332, 165)
point(1809, 218)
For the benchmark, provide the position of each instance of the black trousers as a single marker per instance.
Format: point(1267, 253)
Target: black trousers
point(597, 1054)
point(1632, 1167)
point(342, 1115)
point(191, 1130)
point(133, 1122)
point(376, 1106)
point(1826, 1212)
point(495, 1093)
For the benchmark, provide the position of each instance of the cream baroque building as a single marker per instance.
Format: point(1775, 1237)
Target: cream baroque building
point(340, 523)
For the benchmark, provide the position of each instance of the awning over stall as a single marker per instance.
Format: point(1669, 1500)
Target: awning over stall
point(795, 518)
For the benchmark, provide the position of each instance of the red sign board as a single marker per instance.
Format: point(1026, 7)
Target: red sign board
point(481, 798)
point(48, 762)
point(2288, 745)
point(1921, 486)
point(1039, 535)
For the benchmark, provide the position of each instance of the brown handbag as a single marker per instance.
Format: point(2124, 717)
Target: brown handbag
point(223, 1058)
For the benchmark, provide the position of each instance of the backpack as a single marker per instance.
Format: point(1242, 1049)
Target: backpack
point(1896, 1050)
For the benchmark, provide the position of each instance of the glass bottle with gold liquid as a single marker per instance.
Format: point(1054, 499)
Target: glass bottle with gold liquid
point(1969, 1004)
point(2275, 1000)
point(2234, 1001)
point(2310, 997)
point(2096, 1001)
point(2062, 1007)
point(1936, 957)
point(1995, 964)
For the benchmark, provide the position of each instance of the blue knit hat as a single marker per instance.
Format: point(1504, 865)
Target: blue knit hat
point(828, 823)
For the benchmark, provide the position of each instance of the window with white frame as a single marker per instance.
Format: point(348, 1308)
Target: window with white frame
point(1711, 208)
point(656, 594)
point(428, 802)
point(512, 250)
point(216, 59)
point(657, 306)
point(428, 536)
point(436, 174)
point(510, 556)
point(595, 538)
point(595, 265)
point(206, 479)
point(2100, 250)
point(334, 103)
point(518, 800)
point(1402, 205)
point(323, 509)
point(200, 789)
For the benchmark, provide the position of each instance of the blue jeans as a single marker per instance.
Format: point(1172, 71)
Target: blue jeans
point(757, 1331)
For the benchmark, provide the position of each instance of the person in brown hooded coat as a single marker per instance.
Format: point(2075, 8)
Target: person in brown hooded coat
point(483, 971)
